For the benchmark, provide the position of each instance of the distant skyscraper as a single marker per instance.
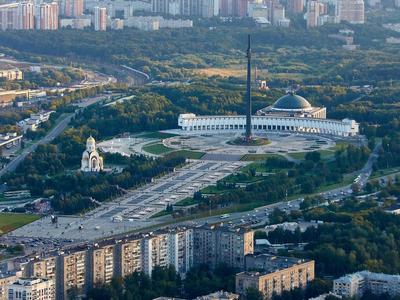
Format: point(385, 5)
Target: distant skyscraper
point(77, 8)
point(100, 18)
point(72, 8)
point(233, 8)
point(47, 16)
point(26, 16)
point(8, 16)
point(296, 6)
point(352, 11)
point(314, 10)
point(209, 8)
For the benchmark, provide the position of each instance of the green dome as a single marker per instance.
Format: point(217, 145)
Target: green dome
point(291, 101)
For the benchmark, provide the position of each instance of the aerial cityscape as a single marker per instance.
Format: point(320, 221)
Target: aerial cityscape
point(200, 149)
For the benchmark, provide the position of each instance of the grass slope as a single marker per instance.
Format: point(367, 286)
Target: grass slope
point(10, 222)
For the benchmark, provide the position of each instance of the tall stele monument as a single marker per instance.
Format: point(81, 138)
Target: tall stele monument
point(248, 136)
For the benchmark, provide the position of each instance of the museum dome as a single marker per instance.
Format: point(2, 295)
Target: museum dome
point(291, 101)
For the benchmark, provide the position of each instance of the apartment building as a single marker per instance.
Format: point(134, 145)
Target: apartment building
point(155, 252)
point(181, 250)
point(32, 289)
point(128, 257)
point(47, 16)
point(296, 6)
point(26, 16)
point(100, 18)
point(216, 244)
point(352, 11)
point(43, 268)
point(168, 248)
point(8, 98)
point(272, 274)
point(354, 285)
point(80, 269)
point(100, 267)
point(17, 16)
point(11, 74)
point(5, 281)
point(71, 274)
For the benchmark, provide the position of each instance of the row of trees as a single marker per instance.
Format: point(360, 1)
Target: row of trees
point(164, 281)
point(290, 179)
point(354, 236)
point(199, 281)
point(51, 171)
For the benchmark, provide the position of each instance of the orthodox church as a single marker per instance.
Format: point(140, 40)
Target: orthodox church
point(91, 160)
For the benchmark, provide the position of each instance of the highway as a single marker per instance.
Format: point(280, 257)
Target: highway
point(42, 234)
point(260, 215)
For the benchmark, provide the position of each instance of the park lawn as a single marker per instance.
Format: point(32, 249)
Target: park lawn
point(156, 148)
point(10, 222)
point(186, 202)
point(212, 189)
point(161, 214)
point(298, 155)
point(157, 135)
point(223, 72)
point(187, 154)
point(258, 157)
point(339, 145)
point(325, 154)
point(250, 180)
point(260, 166)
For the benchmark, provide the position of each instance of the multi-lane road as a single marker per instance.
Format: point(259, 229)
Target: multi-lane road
point(134, 206)
point(60, 126)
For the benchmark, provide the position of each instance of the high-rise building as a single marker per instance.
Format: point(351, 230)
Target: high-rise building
point(8, 16)
point(128, 257)
point(5, 281)
point(100, 266)
point(209, 8)
point(71, 274)
point(32, 288)
point(314, 10)
point(77, 8)
point(278, 13)
point(26, 16)
point(100, 18)
point(352, 11)
point(47, 16)
point(66, 8)
point(43, 268)
point(173, 248)
point(213, 245)
point(181, 250)
point(275, 275)
point(72, 8)
point(296, 6)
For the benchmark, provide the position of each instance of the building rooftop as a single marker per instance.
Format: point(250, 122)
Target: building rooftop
point(367, 275)
point(29, 281)
point(263, 264)
point(223, 227)
point(291, 101)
